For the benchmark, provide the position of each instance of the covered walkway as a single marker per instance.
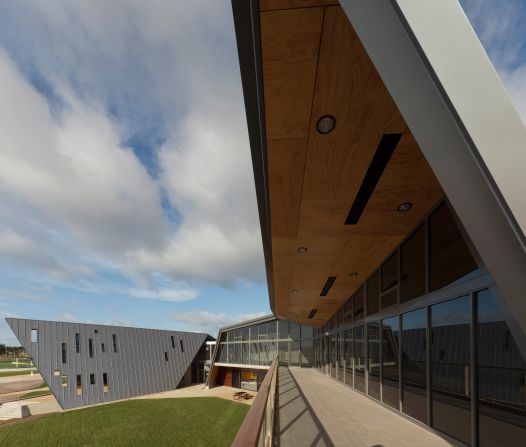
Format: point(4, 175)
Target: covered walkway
point(314, 410)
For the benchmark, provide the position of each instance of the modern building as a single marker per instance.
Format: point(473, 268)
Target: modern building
point(86, 364)
point(389, 169)
point(246, 350)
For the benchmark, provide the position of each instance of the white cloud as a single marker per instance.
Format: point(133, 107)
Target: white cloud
point(501, 28)
point(203, 321)
point(79, 200)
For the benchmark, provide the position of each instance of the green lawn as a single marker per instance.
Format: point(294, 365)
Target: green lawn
point(16, 373)
point(203, 421)
point(11, 363)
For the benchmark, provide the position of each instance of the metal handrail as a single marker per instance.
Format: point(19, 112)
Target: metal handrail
point(258, 427)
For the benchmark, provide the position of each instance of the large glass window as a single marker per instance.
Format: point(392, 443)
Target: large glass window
point(347, 312)
point(389, 282)
point(413, 265)
point(390, 362)
point(414, 394)
point(373, 340)
point(358, 304)
point(359, 358)
point(501, 372)
point(334, 353)
point(272, 328)
point(373, 294)
point(450, 368)
point(283, 328)
point(348, 354)
point(450, 258)
point(283, 351)
point(295, 353)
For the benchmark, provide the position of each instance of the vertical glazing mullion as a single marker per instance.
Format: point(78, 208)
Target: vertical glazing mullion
point(399, 279)
point(366, 337)
point(428, 367)
point(400, 372)
point(427, 254)
point(381, 357)
point(473, 370)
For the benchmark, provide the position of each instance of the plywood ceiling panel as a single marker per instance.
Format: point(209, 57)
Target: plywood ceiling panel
point(289, 45)
point(265, 5)
point(349, 88)
point(286, 162)
point(314, 178)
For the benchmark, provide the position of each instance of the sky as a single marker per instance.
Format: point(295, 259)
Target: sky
point(126, 187)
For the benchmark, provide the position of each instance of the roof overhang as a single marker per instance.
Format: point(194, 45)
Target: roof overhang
point(436, 87)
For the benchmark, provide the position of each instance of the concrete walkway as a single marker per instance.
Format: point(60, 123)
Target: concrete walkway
point(314, 410)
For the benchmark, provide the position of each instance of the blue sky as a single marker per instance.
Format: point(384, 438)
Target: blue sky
point(126, 189)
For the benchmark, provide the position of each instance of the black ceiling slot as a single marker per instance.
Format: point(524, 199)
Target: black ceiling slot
point(382, 156)
point(328, 285)
point(312, 313)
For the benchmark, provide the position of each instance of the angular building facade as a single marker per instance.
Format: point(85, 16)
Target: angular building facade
point(388, 162)
point(87, 364)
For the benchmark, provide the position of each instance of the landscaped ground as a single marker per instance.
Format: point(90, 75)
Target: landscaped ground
point(202, 421)
point(14, 373)
point(12, 363)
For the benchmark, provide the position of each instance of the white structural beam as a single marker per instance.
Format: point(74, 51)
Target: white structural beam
point(447, 90)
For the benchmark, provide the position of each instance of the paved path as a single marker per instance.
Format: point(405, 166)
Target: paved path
point(224, 392)
point(314, 410)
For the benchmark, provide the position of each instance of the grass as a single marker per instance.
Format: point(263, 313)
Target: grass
point(11, 363)
point(36, 393)
point(16, 373)
point(195, 422)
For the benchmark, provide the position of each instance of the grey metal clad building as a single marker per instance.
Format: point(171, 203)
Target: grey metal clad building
point(86, 364)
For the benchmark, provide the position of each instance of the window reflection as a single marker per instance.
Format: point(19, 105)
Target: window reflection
point(373, 294)
point(501, 378)
point(358, 304)
point(359, 358)
point(389, 282)
point(414, 399)
point(348, 353)
point(390, 363)
point(450, 258)
point(373, 340)
point(450, 368)
point(413, 265)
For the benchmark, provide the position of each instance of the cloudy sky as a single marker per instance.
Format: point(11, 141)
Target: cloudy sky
point(126, 189)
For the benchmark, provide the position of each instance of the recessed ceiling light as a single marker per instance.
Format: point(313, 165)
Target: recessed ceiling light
point(353, 274)
point(294, 291)
point(404, 207)
point(302, 250)
point(326, 124)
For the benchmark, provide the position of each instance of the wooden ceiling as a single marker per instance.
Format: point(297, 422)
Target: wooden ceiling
point(314, 65)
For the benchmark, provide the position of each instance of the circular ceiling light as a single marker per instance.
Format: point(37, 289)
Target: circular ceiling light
point(404, 207)
point(302, 250)
point(326, 124)
point(353, 274)
point(294, 291)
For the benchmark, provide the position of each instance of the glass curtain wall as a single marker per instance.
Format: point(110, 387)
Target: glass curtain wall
point(414, 375)
point(501, 376)
point(373, 363)
point(390, 362)
point(260, 343)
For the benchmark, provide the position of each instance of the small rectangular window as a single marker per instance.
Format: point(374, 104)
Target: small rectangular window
point(106, 387)
point(79, 385)
point(173, 342)
point(34, 335)
point(77, 343)
point(103, 348)
point(90, 347)
point(64, 380)
point(64, 353)
point(181, 344)
point(166, 356)
point(92, 379)
point(56, 372)
point(114, 337)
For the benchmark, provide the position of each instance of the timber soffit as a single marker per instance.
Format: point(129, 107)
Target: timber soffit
point(251, 71)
